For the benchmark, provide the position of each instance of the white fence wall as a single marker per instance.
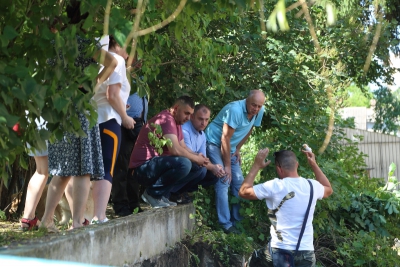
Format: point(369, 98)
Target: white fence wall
point(382, 150)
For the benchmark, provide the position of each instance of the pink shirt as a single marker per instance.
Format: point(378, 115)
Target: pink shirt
point(143, 150)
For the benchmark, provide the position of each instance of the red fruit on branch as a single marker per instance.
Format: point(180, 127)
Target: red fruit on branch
point(16, 128)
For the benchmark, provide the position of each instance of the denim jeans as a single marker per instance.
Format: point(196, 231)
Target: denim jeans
point(161, 174)
point(199, 176)
point(269, 257)
point(226, 217)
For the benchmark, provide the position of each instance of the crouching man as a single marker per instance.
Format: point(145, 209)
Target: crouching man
point(161, 172)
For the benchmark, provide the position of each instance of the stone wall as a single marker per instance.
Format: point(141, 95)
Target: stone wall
point(135, 240)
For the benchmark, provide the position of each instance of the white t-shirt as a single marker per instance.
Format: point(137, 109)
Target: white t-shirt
point(104, 110)
point(290, 216)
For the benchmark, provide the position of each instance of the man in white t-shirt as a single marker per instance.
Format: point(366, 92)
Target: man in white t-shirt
point(286, 220)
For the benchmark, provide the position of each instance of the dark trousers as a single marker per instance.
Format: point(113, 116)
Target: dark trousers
point(125, 192)
point(200, 176)
point(161, 174)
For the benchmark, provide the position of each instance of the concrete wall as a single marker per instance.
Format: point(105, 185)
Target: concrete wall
point(124, 241)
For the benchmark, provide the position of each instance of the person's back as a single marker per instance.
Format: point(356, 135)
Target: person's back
point(290, 217)
point(287, 199)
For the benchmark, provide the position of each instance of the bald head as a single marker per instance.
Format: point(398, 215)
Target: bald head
point(254, 102)
point(256, 94)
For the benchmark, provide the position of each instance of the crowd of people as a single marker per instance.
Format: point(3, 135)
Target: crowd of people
point(117, 157)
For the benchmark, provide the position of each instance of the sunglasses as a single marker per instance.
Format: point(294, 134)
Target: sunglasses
point(276, 160)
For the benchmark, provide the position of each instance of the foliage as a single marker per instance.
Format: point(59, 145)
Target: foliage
point(356, 226)
point(396, 93)
point(387, 111)
point(223, 38)
point(216, 51)
point(157, 139)
point(356, 97)
point(2, 215)
point(223, 246)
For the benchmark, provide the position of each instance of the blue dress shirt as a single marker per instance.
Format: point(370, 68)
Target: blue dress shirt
point(194, 140)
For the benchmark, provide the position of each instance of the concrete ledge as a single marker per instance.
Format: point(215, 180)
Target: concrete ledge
point(123, 241)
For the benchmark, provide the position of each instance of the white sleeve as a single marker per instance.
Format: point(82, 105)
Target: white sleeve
point(261, 191)
point(319, 189)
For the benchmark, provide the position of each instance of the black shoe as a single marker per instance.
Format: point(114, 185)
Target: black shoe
point(232, 230)
point(124, 212)
point(180, 199)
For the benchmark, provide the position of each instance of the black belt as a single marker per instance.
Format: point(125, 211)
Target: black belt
point(139, 120)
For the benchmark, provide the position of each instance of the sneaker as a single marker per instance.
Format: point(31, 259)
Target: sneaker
point(166, 200)
point(232, 230)
point(154, 202)
point(99, 221)
point(180, 199)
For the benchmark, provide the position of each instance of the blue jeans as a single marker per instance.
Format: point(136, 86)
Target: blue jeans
point(226, 217)
point(161, 174)
point(270, 257)
point(199, 176)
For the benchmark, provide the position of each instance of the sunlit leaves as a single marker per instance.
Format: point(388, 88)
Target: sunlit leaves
point(278, 14)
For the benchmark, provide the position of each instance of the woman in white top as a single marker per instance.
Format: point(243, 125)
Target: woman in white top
point(111, 101)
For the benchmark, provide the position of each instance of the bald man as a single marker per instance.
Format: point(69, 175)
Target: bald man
point(225, 135)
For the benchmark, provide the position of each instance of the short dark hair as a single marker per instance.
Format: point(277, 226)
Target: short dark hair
point(185, 100)
point(285, 159)
point(112, 42)
point(199, 107)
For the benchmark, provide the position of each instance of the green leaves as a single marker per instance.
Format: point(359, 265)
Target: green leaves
point(392, 169)
point(9, 33)
point(157, 140)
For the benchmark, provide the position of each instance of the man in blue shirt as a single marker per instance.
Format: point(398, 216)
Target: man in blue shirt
point(225, 135)
point(195, 141)
point(124, 191)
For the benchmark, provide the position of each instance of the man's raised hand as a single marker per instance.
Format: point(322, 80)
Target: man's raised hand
point(259, 161)
point(310, 157)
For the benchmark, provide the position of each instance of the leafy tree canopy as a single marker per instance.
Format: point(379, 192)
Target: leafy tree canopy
point(358, 97)
point(214, 51)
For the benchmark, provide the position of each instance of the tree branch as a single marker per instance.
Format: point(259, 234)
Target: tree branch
point(262, 20)
point(163, 23)
point(374, 43)
point(310, 25)
point(140, 10)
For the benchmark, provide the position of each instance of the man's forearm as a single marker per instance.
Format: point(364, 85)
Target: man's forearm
point(246, 191)
point(320, 176)
point(226, 152)
point(185, 152)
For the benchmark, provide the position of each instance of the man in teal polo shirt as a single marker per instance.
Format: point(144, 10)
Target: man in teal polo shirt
point(225, 135)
